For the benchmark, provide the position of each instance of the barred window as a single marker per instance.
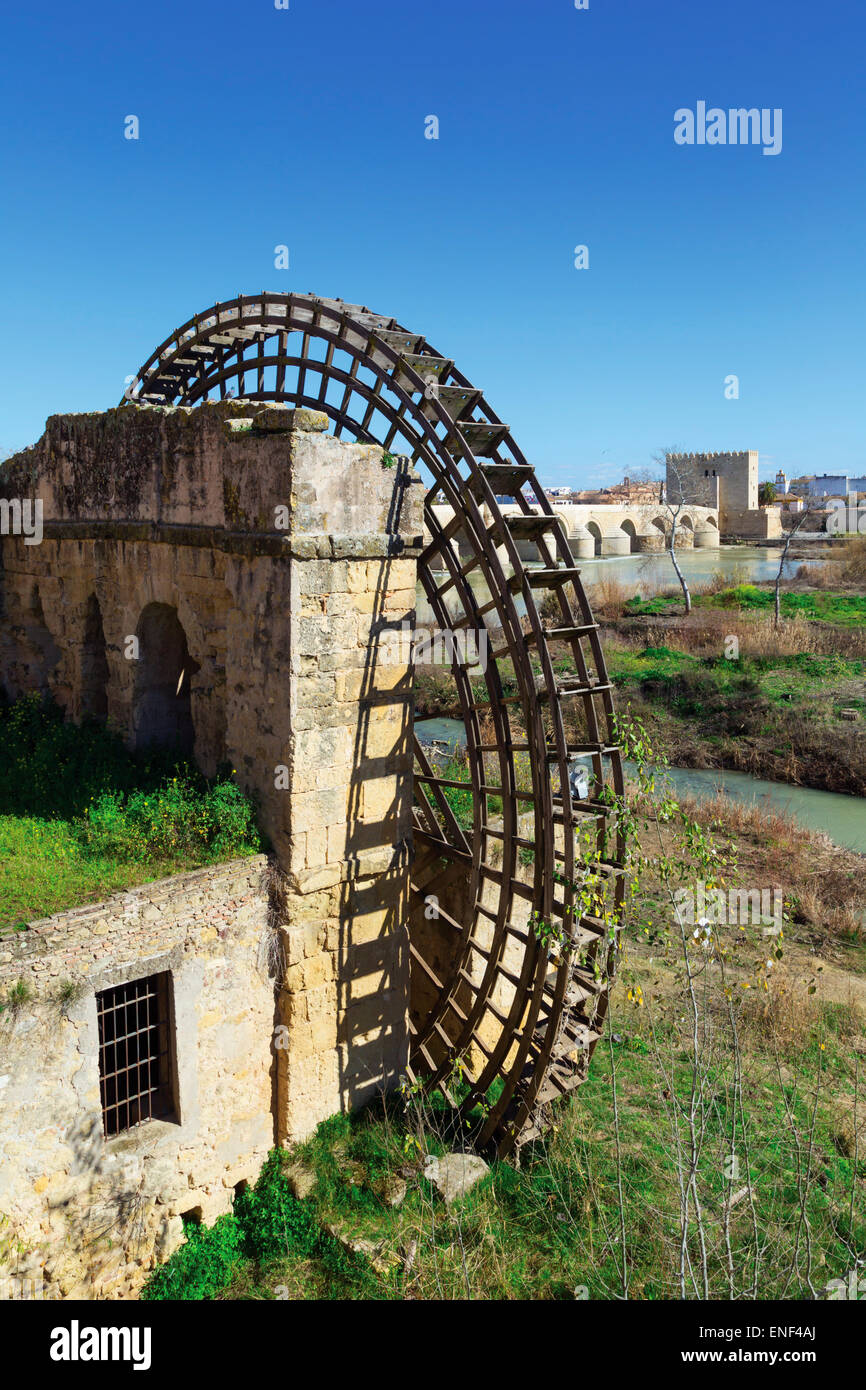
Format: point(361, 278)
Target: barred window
point(136, 1055)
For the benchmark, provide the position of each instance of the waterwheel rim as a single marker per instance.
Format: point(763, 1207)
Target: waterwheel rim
point(513, 1015)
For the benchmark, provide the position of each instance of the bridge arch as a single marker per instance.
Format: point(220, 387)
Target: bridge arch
point(630, 529)
point(596, 532)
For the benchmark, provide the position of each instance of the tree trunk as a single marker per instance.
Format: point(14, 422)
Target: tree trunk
point(680, 576)
point(777, 594)
point(777, 597)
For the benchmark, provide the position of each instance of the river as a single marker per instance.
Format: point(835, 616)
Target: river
point(646, 574)
point(841, 817)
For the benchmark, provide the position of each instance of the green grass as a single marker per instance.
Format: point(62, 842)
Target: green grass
point(81, 817)
point(842, 609)
point(780, 679)
point(456, 769)
point(552, 1226)
point(267, 1238)
point(44, 868)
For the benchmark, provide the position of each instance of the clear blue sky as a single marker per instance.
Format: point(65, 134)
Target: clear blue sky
point(305, 126)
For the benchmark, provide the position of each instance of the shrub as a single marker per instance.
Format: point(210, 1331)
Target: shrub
point(175, 820)
point(122, 805)
point(269, 1223)
point(272, 1219)
point(19, 994)
point(456, 769)
point(202, 1266)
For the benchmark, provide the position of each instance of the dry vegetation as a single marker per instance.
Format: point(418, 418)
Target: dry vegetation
point(716, 1151)
point(849, 570)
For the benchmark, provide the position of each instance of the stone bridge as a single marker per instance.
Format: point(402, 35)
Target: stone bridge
point(602, 530)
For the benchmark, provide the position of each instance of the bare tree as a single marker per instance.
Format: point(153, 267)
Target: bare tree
point(674, 502)
point(812, 506)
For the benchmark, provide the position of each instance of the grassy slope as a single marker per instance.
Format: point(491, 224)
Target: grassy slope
point(774, 711)
point(841, 609)
point(774, 717)
point(81, 817)
point(44, 869)
point(552, 1227)
point(555, 1224)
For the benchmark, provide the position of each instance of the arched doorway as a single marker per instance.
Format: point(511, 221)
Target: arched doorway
point(162, 712)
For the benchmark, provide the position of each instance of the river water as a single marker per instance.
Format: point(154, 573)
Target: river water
point(646, 574)
point(742, 564)
point(841, 817)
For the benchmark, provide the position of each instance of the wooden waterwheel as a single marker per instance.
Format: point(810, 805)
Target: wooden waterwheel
point(517, 895)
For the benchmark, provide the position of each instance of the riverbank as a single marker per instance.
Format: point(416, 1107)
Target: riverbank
point(722, 687)
point(795, 718)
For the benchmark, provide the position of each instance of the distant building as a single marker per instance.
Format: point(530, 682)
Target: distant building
point(630, 490)
point(728, 481)
point(781, 483)
point(832, 485)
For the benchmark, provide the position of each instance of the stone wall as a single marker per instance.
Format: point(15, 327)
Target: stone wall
point(236, 570)
point(283, 552)
point(89, 1216)
point(761, 525)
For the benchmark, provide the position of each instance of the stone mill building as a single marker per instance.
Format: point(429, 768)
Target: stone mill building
point(273, 632)
point(219, 568)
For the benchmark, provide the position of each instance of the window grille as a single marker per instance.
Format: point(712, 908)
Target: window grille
point(136, 1066)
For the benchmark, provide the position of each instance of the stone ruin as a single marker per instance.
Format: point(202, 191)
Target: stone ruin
point(266, 569)
point(226, 576)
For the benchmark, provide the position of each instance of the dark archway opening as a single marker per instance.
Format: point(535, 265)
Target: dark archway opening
point(94, 664)
point(162, 715)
